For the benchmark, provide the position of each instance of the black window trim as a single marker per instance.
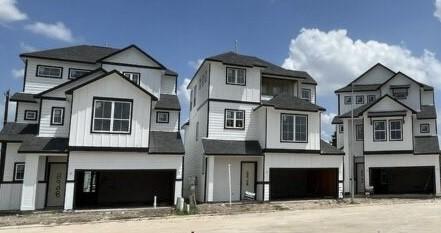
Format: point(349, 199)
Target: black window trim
point(362, 99)
point(110, 99)
point(310, 94)
point(385, 131)
point(424, 124)
point(375, 97)
point(14, 178)
point(48, 76)
point(225, 119)
point(162, 122)
point(356, 132)
point(71, 69)
point(52, 116)
point(294, 132)
point(130, 72)
point(341, 128)
point(30, 119)
point(235, 68)
point(347, 97)
point(402, 129)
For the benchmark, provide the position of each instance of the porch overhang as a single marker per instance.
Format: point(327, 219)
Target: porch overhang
point(215, 147)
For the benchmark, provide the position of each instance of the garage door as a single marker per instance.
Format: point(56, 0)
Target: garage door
point(403, 180)
point(123, 188)
point(295, 183)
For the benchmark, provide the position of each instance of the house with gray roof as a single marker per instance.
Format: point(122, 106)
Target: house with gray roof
point(387, 127)
point(254, 133)
point(94, 127)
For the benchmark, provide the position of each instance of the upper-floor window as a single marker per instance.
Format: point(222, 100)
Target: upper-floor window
point(234, 119)
point(75, 73)
point(19, 169)
point(162, 117)
point(396, 130)
point(49, 71)
point(341, 129)
point(30, 115)
point(133, 76)
point(424, 128)
point(294, 128)
point(236, 76)
point(359, 99)
point(203, 79)
point(194, 95)
point(371, 98)
point(400, 93)
point(112, 115)
point(348, 100)
point(57, 116)
point(380, 130)
point(306, 94)
point(359, 132)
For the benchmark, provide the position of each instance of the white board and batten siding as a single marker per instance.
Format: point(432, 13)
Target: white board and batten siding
point(344, 108)
point(377, 75)
point(111, 86)
point(413, 98)
point(171, 126)
point(22, 107)
point(168, 85)
point(46, 128)
point(427, 97)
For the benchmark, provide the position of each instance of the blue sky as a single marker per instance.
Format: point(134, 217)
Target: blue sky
point(332, 40)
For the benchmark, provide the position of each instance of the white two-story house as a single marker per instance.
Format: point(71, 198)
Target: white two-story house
point(94, 127)
point(392, 144)
point(255, 126)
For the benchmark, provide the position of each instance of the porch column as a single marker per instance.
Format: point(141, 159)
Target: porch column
point(210, 178)
point(437, 179)
point(30, 182)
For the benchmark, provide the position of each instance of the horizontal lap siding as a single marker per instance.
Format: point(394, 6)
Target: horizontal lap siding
point(22, 106)
point(171, 126)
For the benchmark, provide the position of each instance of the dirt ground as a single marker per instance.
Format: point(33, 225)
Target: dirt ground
point(370, 215)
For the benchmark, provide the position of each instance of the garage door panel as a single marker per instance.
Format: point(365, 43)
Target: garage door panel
point(403, 180)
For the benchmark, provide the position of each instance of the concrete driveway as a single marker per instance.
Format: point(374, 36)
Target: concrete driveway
point(407, 217)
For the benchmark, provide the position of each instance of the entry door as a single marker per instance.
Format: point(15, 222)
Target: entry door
point(360, 177)
point(248, 180)
point(57, 184)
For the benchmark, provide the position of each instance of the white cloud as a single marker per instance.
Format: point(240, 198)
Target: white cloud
point(327, 128)
point(17, 73)
point(183, 93)
point(56, 31)
point(27, 48)
point(196, 64)
point(9, 12)
point(334, 59)
point(437, 12)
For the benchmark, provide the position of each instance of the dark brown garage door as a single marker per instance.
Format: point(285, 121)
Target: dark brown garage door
point(403, 180)
point(123, 188)
point(296, 183)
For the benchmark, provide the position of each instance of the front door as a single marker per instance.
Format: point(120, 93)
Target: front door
point(359, 169)
point(248, 180)
point(57, 184)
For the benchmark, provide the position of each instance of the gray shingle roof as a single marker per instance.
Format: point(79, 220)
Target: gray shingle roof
point(165, 143)
point(17, 132)
point(23, 97)
point(337, 120)
point(366, 87)
point(168, 102)
point(328, 149)
point(170, 72)
point(427, 112)
point(79, 53)
point(387, 113)
point(231, 147)
point(44, 145)
point(426, 145)
point(292, 103)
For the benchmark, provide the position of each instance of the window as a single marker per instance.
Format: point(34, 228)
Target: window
point(379, 130)
point(424, 128)
point(341, 129)
point(400, 93)
point(396, 130)
point(236, 76)
point(112, 115)
point(89, 182)
point(203, 79)
point(359, 132)
point(234, 119)
point(348, 100)
point(19, 171)
point(306, 94)
point(194, 95)
point(75, 73)
point(49, 71)
point(359, 99)
point(162, 117)
point(371, 98)
point(133, 76)
point(30, 115)
point(294, 128)
point(57, 117)
point(197, 131)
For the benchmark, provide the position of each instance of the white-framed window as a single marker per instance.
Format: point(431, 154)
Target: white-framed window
point(396, 130)
point(19, 169)
point(111, 115)
point(306, 94)
point(425, 128)
point(400, 93)
point(348, 100)
point(30, 115)
point(162, 117)
point(133, 76)
point(234, 119)
point(75, 73)
point(380, 130)
point(371, 98)
point(57, 116)
point(359, 132)
point(294, 128)
point(49, 71)
point(359, 99)
point(236, 76)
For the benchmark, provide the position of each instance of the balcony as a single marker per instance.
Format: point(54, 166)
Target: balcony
point(272, 87)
